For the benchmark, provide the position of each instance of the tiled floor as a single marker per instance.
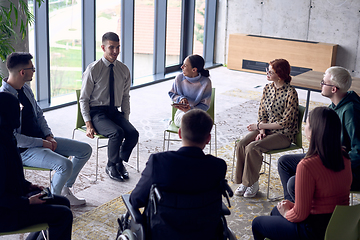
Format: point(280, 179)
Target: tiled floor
point(237, 97)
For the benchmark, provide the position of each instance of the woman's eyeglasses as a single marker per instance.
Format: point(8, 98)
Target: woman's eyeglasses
point(268, 72)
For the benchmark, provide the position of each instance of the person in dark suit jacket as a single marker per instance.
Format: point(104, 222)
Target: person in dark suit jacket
point(20, 201)
point(187, 170)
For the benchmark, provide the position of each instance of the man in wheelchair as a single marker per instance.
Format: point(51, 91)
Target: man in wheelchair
point(180, 190)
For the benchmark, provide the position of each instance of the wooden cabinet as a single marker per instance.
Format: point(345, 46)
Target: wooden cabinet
point(248, 50)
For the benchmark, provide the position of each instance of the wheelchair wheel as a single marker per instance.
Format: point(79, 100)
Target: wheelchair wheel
point(126, 235)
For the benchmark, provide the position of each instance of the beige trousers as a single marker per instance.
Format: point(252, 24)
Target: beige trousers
point(249, 155)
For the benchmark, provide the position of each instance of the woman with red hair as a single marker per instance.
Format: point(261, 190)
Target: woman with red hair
point(276, 127)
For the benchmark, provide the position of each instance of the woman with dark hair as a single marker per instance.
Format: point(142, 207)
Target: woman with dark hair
point(323, 180)
point(191, 88)
point(276, 127)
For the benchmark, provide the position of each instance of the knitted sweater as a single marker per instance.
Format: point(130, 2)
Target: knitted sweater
point(348, 110)
point(318, 189)
point(196, 90)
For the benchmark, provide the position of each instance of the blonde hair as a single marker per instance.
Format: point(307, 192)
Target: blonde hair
point(340, 77)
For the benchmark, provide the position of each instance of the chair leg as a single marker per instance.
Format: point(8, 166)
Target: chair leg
point(168, 142)
point(210, 146)
point(137, 166)
point(97, 159)
point(137, 157)
point(215, 142)
point(45, 234)
point(164, 141)
point(73, 134)
point(50, 178)
point(268, 187)
point(233, 164)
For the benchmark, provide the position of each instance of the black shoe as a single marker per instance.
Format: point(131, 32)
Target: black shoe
point(122, 170)
point(114, 173)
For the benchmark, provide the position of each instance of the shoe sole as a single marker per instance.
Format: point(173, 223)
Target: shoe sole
point(252, 195)
point(239, 193)
point(78, 204)
point(112, 177)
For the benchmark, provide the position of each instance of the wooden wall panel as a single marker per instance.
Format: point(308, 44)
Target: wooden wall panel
point(316, 56)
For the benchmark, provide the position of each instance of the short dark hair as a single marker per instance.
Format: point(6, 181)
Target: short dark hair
point(325, 138)
point(196, 126)
point(17, 60)
point(110, 36)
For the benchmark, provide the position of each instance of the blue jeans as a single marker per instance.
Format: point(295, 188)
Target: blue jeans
point(66, 170)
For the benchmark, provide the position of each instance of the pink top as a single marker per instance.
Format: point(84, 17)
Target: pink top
point(318, 189)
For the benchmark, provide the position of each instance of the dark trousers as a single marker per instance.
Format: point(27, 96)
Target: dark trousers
point(278, 227)
point(55, 212)
point(287, 168)
point(121, 133)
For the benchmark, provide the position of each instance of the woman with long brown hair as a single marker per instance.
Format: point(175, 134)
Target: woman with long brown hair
point(323, 180)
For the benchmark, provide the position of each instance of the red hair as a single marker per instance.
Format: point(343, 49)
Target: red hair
point(282, 69)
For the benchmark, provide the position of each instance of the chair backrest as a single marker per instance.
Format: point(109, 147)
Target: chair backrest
point(173, 215)
point(298, 137)
point(79, 118)
point(210, 111)
point(344, 223)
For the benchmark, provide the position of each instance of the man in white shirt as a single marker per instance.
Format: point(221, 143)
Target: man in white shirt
point(105, 87)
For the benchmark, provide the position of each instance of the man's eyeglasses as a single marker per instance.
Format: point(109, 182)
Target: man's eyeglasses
point(32, 68)
point(268, 72)
point(322, 83)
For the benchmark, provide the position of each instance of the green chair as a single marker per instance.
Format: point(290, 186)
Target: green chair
point(38, 169)
point(80, 126)
point(293, 146)
point(172, 128)
point(344, 223)
point(34, 228)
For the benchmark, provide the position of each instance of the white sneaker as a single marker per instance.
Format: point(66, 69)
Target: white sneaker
point(252, 191)
point(74, 201)
point(240, 190)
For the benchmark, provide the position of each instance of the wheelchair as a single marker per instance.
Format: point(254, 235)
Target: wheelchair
point(170, 215)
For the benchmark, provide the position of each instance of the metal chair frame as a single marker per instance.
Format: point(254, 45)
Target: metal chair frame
point(34, 228)
point(172, 128)
point(80, 126)
point(293, 146)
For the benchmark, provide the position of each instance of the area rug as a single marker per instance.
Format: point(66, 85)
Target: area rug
point(101, 223)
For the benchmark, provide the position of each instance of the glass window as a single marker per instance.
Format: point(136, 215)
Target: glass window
point(65, 41)
point(199, 27)
point(143, 41)
point(31, 32)
point(173, 32)
point(65, 48)
point(107, 20)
